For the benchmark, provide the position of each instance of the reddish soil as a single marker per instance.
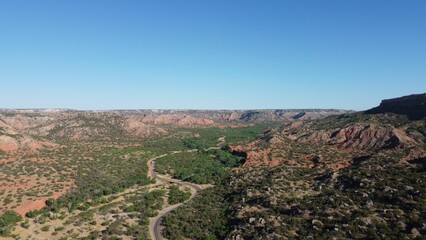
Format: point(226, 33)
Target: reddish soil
point(24, 144)
point(6, 160)
point(275, 162)
point(22, 182)
point(30, 206)
point(8, 148)
point(38, 204)
point(257, 158)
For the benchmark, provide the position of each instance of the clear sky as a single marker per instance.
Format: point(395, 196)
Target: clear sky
point(210, 54)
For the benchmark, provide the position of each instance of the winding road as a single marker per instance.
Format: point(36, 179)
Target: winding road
point(155, 223)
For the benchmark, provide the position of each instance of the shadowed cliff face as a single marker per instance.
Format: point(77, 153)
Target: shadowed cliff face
point(412, 106)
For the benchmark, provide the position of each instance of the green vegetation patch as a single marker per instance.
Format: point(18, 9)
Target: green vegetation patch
point(208, 137)
point(7, 221)
point(197, 167)
point(207, 214)
point(178, 196)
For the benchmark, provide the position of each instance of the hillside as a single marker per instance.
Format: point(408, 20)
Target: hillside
point(27, 131)
point(264, 174)
point(72, 156)
point(353, 176)
point(335, 141)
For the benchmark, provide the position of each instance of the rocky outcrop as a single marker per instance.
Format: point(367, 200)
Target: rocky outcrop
point(219, 117)
point(14, 143)
point(337, 142)
point(413, 106)
point(135, 126)
point(175, 119)
point(286, 115)
point(299, 115)
point(8, 144)
point(359, 136)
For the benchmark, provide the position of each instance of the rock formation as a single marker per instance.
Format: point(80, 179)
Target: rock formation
point(413, 106)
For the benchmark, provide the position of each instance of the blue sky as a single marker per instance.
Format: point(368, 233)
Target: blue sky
point(210, 54)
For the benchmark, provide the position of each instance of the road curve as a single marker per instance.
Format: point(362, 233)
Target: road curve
point(154, 225)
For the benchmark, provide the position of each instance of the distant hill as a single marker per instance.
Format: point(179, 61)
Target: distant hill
point(412, 106)
point(29, 130)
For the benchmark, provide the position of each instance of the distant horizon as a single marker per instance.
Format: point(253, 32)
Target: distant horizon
point(173, 109)
point(210, 54)
point(197, 109)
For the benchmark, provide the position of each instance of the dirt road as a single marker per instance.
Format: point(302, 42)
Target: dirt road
point(155, 223)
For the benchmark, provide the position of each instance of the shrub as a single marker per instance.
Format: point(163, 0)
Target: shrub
point(45, 228)
point(9, 218)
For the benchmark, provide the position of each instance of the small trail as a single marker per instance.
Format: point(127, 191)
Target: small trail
point(154, 225)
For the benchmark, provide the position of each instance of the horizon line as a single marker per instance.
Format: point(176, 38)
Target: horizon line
point(172, 109)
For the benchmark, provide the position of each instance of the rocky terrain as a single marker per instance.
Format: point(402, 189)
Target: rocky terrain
point(356, 176)
point(209, 117)
point(45, 153)
point(29, 130)
point(268, 174)
point(336, 141)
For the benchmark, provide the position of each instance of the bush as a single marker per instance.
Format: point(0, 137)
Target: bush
point(9, 218)
point(45, 228)
point(25, 224)
point(34, 213)
point(7, 221)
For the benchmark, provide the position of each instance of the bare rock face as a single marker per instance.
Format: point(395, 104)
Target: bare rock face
point(337, 142)
point(8, 144)
point(413, 106)
point(134, 125)
point(360, 136)
point(14, 143)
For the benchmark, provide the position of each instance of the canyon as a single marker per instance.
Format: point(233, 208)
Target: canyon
point(266, 174)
